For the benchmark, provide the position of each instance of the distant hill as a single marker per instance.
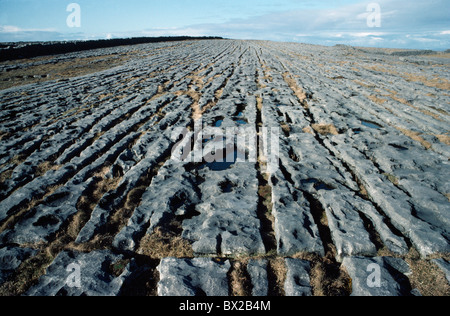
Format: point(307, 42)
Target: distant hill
point(22, 50)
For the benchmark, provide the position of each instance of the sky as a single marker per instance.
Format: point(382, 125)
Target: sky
point(376, 23)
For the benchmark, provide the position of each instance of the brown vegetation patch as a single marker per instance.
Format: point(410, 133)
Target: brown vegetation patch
point(329, 280)
point(277, 272)
point(379, 68)
point(363, 84)
point(444, 139)
point(27, 274)
point(325, 129)
point(163, 243)
point(426, 276)
point(259, 102)
point(239, 279)
point(298, 91)
point(405, 102)
point(415, 136)
point(12, 220)
point(87, 203)
point(286, 129)
point(440, 55)
point(46, 166)
point(442, 111)
point(61, 70)
point(435, 82)
point(18, 159)
point(4, 135)
point(391, 178)
point(447, 195)
point(327, 277)
point(265, 192)
point(362, 189)
point(376, 99)
point(6, 175)
point(308, 130)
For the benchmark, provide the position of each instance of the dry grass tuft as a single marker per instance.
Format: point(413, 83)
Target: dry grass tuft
point(162, 244)
point(445, 139)
point(87, 203)
point(61, 70)
point(405, 102)
point(4, 135)
point(415, 136)
point(298, 92)
point(327, 276)
point(362, 189)
point(435, 82)
point(219, 92)
point(6, 175)
point(391, 178)
point(27, 274)
point(426, 276)
point(286, 128)
point(46, 166)
point(265, 192)
point(363, 84)
point(439, 55)
point(376, 99)
point(240, 284)
point(18, 159)
point(325, 129)
point(277, 272)
point(308, 130)
point(259, 102)
point(13, 219)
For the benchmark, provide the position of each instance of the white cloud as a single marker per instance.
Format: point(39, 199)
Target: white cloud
point(16, 29)
point(420, 24)
point(426, 39)
point(9, 29)
point(347, 24)
point(188, 31)
point(10, 33)
point(367, 34)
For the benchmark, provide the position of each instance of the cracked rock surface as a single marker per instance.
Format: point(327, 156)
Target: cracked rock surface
point(137, 172)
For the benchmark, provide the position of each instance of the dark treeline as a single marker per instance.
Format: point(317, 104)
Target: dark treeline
point(13, 51)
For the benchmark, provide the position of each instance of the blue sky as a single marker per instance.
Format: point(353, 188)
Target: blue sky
point(404, 24)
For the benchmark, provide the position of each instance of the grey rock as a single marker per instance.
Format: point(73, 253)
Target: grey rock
point(393, 242)
point(114, 198)
point(96, 275)
point(297, 279)
point(389, 140)
point(49, 216)
point(228, 222)
point(169, 191)
point(295, 229)
point(379, 276)
point(257, 269)
point(444, 265)
point(394, 202)
point(193, 277)
point(11, 258)
point(347, 230)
